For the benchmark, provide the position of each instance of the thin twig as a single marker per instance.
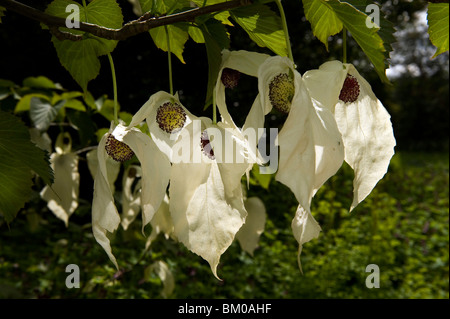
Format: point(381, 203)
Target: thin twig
point(141, 25)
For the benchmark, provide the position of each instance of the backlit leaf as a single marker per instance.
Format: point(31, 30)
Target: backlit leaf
point(263, 26)
point(438, 30)
point(80, 58)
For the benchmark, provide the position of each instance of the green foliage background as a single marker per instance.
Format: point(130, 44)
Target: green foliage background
point(402, 227)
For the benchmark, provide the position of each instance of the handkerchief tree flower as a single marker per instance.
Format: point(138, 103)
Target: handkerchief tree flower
point(205, 196)
point(362, 120)
point(62, 196)
point(121, 143)
point(311, 148)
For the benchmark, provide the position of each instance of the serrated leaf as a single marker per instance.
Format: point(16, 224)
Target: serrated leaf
point(177, 38)
point(386, 30)
point(354, 21)
point(438, 26)
point(324, 22)
point(80, 58)
point(18, 158)
point(367, 38)
point(263, 26)
point(196, 34)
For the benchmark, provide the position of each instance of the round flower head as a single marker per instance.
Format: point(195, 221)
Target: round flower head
point(170, 117)
point(281, 92)
point(350, 89)
point(119, 151)
point(276, 84)
point(230, 78)
point(165, 117)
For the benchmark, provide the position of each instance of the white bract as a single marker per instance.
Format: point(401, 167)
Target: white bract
point(363, 121)
point(248, 63)
point(206, 202)
point(155, 177)
point(131, 195)
point(311, 148)
point(248, 235)
point(62, 195)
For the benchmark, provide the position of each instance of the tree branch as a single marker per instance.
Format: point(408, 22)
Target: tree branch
point(141, 25)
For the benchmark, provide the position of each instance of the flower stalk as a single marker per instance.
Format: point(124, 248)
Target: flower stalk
point(344, 45)
point(116, 106)
point(285, 29)
point(169, 60)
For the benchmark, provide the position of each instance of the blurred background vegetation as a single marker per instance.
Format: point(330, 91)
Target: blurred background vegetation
point(403, 226)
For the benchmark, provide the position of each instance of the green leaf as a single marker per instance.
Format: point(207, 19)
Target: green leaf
point(177, 38)
point(71, 101)
point(386, 30)
point(196, 34)
point(6, 83)
point(25, 101)
point(178, 33)
point(164, 6)
point(222, 16)
point(42, 113)
point(15, 186)
point(262, 180)
point(263, 26)
point(80, 58)
point(345, 14)
point(40, 82)
point(18, 158)
point(438, 29)
point(324, 21)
